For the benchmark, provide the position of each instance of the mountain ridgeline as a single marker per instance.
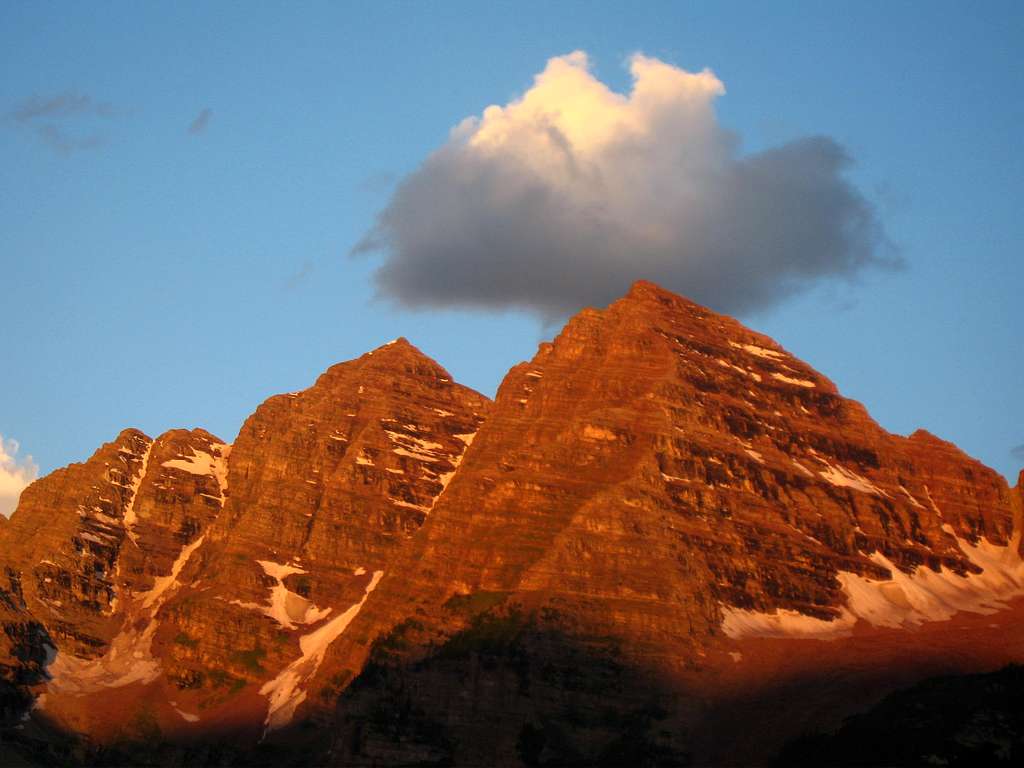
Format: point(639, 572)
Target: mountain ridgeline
point(667, 541)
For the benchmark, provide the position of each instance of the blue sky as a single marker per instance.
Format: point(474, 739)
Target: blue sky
point(157, 277)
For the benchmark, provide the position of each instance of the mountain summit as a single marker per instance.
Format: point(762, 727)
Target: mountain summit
point(666, 541)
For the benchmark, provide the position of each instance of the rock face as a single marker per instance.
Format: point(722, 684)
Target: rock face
point(567, 575)
point(65, 539)
point(91, 548)
point(658, 477)
point(87, 536)
point(326, 486)
point(673, 463)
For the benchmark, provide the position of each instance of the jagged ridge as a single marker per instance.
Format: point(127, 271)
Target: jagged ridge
point(658, 483)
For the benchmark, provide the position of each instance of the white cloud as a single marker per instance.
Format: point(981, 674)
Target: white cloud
point(564, 196)
point(15, 474)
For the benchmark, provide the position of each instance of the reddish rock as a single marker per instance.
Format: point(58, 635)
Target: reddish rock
point(670, 460)
point(65, 538)
point(327, 485)
point(90, 554)
point(571, 573)
point(1019, 509)
point(654, 468)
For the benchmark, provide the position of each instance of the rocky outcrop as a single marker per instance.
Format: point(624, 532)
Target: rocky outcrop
point(65, 538)
point(182, 492)
point(87, 536)
point(90, 555)
point(675, 464)
point(565, 575)
point(154, 571)
point(326, 486)
point(662, 479)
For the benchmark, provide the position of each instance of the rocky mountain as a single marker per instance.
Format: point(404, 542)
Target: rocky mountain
point(667, 541)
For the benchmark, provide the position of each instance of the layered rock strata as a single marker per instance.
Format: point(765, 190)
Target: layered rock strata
point(326, 486)
point(558, 576)
point(656, 482)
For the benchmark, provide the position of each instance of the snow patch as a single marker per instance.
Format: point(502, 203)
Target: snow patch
point(199, 463)
point(213, 464)
point(95, 538)
point(763, 352)
point(739, 622)
point(419, 443)
point(413, 454)
point(913, 501)
point(279, 571)
point(910, 599)
point(286, 607)
point(802, 468)
point(935, 507)
point(845, 478)
point(186, 716)
point(797, 382)
point(408, 505)
point(744, 371)
point(414, 447)
point(161, 584)
point(444, 479)
point(130, 518)
point(286, 691)
point(902, 600)
point(128, 658)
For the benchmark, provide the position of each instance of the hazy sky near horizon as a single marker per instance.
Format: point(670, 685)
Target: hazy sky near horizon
point(183, 186)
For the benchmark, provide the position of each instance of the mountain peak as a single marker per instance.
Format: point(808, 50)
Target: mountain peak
point(396, 357)
point(645, 291)
point(400, 347)
point(400, 355)
point(130, 436)
point(398, 343)
point(657, 488)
